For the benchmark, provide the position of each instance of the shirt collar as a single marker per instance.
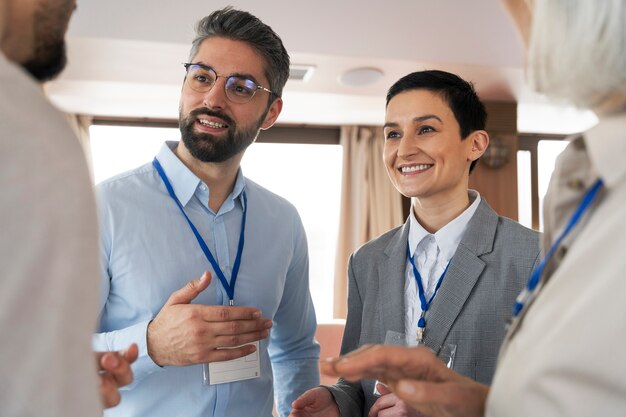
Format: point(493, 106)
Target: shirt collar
point(606, 144)
point(449, 236)
point(184, 182)
point(237, 193)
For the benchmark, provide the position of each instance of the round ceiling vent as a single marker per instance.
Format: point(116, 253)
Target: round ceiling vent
point(358, 77)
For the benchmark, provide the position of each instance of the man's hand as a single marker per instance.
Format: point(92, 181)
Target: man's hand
point(389, 405)
point(114, 372)
point(416, 376)
point(316, 402)
point(186, 334)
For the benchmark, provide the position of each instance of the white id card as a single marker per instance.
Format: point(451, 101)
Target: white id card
point(240, 369)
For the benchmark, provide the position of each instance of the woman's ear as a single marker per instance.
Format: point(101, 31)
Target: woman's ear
point(480, 141)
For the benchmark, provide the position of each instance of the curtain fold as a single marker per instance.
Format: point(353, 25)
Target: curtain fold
point(370, 205)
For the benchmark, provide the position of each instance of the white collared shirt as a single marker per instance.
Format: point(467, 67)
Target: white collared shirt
point(432, 253)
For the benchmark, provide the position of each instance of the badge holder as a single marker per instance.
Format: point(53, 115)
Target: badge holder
point(446, 354)
point(247, 367)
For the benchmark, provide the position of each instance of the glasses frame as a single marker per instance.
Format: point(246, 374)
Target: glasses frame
point(226, 78)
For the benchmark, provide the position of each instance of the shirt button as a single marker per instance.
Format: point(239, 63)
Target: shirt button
point(203, 187)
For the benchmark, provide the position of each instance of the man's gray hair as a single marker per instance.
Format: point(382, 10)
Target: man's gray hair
point(242, 26)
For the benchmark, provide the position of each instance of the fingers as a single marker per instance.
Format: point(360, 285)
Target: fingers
point(117, 367)
point(236, 331)
point(458, 397)
point(115, 372)
point(308, 399)
point(384, 363)
point(332, 366)
point(109, 393)
point(238, 340)
point(315, 402)
point(190, 291)
point(423, 396)
point(382, 388)
point(386, 401)
point(369, 361)
point(109, 361)
point(131, 353)
point(182, 335)
point(229, 313)
point(239, 326)
point(221, 355)
point(302, 401)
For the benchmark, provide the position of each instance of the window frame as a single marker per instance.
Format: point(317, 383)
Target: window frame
point(529, 142)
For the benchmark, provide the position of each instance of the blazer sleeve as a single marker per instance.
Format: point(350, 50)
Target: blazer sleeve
point(349, 395)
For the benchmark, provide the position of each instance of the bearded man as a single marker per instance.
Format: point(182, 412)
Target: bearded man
point(191, 210)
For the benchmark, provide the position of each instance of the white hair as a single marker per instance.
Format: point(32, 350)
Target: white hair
point(577, 52)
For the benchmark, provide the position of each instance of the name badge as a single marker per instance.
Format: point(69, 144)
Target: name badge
point(247, 367)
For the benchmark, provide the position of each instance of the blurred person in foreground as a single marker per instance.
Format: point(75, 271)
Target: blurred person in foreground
point(48, 238)
point(563, 355)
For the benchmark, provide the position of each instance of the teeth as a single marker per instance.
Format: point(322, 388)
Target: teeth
point(415, 168)
point(212, 124)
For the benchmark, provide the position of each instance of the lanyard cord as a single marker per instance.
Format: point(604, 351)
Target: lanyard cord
point(424, 304)
point(536, 275)
point(229, 287)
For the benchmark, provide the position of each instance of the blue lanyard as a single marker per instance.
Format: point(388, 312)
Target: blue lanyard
point(425, 304)
point(534, 280)
point(229, 287)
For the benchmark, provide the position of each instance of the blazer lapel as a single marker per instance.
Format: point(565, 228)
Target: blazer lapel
point(463, 273)
point(391, 282)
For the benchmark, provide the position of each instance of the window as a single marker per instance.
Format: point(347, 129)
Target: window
point(115, 149)
point(524, 189)
point(536, 159)
point(308, 175)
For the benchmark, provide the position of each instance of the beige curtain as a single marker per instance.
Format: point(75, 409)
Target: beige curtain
point(370, 205)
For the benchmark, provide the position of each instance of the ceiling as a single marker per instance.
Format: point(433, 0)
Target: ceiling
point(125, 56)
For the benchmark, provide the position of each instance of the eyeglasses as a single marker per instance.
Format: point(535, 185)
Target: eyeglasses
point(202, 78)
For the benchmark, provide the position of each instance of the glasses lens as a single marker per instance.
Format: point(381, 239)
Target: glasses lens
point(200, 79)
point(240, 90)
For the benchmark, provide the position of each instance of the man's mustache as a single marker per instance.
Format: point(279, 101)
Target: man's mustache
point(208, 112)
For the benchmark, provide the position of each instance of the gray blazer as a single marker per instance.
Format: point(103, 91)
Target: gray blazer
point(486, 273)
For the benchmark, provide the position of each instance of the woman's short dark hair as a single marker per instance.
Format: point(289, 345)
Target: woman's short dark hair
point(459, 94)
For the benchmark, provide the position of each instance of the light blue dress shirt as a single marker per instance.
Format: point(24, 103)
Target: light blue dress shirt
point(149, 251)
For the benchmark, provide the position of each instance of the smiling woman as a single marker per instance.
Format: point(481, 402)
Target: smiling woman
point(280, 167)
point(437, 280)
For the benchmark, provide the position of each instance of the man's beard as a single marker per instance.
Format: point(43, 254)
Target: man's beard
point(210, 148)
point(49, 56)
